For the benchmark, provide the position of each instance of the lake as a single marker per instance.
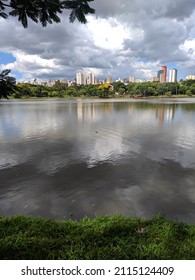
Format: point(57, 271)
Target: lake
point(74, 158)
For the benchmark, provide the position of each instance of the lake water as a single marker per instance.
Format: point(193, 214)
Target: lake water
point(70, 158)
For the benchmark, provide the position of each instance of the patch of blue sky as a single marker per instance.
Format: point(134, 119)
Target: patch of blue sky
point(17, 75)
point(143, 59)
point(6, 58)
point(171, 65)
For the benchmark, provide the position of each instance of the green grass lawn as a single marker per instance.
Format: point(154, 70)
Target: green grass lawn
point(111, 237)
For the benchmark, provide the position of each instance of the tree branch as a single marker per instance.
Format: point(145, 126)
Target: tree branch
point(6, 5)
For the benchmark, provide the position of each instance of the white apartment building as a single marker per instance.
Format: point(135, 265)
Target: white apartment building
point(81, 78)
point(91, 79)
point(132, 79)
point(190, 77)
point(172, 75)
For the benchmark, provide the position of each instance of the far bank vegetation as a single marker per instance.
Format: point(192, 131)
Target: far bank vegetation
point(116, 89)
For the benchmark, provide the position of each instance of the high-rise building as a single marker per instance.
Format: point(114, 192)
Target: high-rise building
point(97, 81)
point(173, 75)
point(91, 79)
point(108, 79)
point(125, 80)
point(132, 79)
point(162, 74)
point(81, 78)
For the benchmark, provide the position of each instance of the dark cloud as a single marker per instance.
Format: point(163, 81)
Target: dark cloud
point(177, 9)
point(161, 40)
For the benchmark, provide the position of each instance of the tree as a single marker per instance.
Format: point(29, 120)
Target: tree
point(7, 84)
point(192, 88)
point(119, 87)
point(173, 88)
point(39, 91)
point(182, 89)
point(188, 92)
point(131, 88)
point(188, 82)
point(104, 90)
point(45, 11)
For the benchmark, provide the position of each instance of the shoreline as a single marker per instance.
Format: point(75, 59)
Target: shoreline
point(101, 98)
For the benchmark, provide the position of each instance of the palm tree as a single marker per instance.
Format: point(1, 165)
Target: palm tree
point(7, 84)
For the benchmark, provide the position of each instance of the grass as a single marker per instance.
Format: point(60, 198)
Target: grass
point(111, 237)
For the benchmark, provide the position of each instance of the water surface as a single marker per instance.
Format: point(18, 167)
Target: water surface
point(71, 158)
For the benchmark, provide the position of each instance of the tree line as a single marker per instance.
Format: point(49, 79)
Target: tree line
point(8, 88)
point(136, 90)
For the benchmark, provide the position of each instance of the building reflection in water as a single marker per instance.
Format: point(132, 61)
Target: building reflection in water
point(92, 111)
point(165, 113)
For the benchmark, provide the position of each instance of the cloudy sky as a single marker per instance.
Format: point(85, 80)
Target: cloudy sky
point(123, 38)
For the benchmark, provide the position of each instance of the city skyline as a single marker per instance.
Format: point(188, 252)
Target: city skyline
point(122, 39)
point(164, 75)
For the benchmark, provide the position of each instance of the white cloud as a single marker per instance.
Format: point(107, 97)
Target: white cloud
point(189, 47)
point(147, 68)
point(108, 34)
point(31, 65)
